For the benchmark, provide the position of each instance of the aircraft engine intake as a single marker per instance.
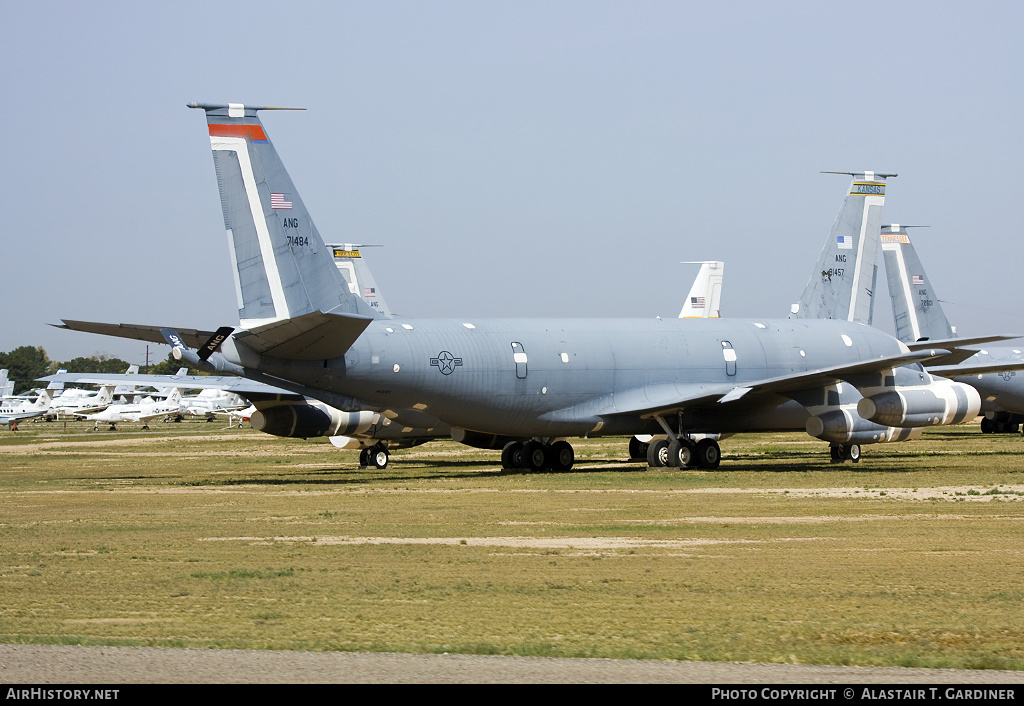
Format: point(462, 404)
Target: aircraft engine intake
point(309, 420)
point(939, 402)
point(843, 426)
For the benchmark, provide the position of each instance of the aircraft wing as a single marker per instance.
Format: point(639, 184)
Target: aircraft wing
point(193, 338)
point(955, 371)
point(18, 416)
point(185, 382)
point(668, 399)
point(956, 347)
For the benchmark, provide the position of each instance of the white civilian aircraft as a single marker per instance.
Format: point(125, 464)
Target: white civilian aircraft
point(144, 411)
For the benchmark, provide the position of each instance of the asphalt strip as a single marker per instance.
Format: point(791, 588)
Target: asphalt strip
point(59, 664)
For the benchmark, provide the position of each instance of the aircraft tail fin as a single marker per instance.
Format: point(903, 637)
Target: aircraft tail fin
point(352, 265)
point(842, 283)
point(915, 308)
point(705, 295)
point(105, 396)
point(56, 385)
point(283, 269)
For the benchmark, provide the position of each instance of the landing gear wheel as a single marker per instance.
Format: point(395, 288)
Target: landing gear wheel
point(987, 425)
point(561, 456)
point(657, 453)
point(534, 456)
point(708, 454)
point(378, 457)
point(512, 455)
point(681, 453)
point(364, 458)
point(852, 452)
point(637, 449)
point(836, 452)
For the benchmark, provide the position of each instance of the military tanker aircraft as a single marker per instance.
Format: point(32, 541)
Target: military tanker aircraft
point(538, 382)
point(535, 383)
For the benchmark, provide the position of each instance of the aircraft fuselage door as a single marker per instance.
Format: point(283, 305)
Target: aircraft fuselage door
point(519, 356)
point(729, 353)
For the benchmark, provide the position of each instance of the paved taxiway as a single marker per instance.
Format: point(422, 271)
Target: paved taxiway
point(57, 664)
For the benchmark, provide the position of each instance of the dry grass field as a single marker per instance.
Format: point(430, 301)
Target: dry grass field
point(191, 535)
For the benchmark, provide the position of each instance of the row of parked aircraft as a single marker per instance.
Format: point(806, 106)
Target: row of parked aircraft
point(320, 354)
point(129, 398)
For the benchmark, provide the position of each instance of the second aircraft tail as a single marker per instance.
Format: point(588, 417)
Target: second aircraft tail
point(842, 284)
point(915, 308)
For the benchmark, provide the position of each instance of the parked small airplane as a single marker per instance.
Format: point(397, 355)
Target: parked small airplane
point(16, 409)
point(144, 411)
point(209, 402)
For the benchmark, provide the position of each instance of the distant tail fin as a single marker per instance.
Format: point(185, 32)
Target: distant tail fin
point(352, 265)
point(842, 284)
point(706, 293)
point(283, 269)
point(915, 308)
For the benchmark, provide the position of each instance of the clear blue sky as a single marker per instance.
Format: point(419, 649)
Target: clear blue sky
point(514, 158)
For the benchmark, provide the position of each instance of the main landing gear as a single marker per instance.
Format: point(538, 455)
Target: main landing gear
point(683, 453)
point(844, 452)
point(538, 456)
point(999, 425)
point(375, 457)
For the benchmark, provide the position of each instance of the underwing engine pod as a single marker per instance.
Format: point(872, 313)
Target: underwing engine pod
point(940, 402)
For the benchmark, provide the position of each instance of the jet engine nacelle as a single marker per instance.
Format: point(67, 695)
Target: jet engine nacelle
point(939, 402)
point(480, 440)
point(306, 420)
point(842, 426)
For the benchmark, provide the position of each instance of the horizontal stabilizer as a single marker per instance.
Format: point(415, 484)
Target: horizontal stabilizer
point(312, 336)
point(191, 337)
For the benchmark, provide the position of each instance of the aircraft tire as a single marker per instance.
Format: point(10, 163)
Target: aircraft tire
point(637, 449)
point(378, 457)
point(681, 453)
point(364, 458)
point(535, 456)
point(561, 456)
point(987, 425)
point(512, 455)
point(836, 453)
point(708, 454)
point(657, 453)
point(852, 452)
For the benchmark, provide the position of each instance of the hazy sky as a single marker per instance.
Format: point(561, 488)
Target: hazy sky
point(514, 158)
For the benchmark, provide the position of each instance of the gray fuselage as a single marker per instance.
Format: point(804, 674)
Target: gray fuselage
point(575, 377)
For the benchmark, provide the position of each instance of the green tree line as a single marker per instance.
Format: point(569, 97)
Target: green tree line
point(27, 363)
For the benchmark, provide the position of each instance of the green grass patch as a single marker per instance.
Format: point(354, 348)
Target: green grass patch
point(202, 537)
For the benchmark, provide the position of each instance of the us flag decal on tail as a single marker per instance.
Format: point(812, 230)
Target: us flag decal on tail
point(277, 201)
